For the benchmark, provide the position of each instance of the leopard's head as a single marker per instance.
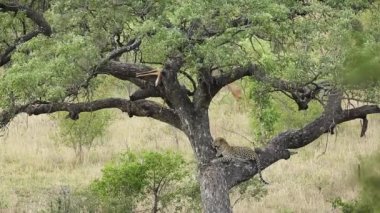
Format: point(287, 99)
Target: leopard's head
point(220, 143)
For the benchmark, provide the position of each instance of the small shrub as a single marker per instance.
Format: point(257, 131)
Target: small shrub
point(82, 133)
point(149, 179)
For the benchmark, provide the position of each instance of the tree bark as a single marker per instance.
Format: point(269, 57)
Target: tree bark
point(213, 184)
point(214, 191)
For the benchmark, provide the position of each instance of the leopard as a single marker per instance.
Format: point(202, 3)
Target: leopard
point(227, 153)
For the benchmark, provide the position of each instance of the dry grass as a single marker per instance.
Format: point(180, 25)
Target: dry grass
point(33, 167)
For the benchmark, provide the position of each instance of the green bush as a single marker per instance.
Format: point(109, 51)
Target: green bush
point(149, 179)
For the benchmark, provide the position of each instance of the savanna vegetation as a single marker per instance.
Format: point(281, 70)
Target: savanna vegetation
point(304, 68)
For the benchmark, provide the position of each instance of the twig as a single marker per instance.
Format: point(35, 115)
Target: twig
point(324, 151)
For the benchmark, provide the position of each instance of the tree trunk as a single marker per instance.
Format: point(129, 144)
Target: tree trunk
point(213, 185)
point(214, 191)
point(155, 201)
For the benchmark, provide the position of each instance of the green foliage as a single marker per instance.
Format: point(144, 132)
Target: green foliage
point(136, 178)
point(290, 117)
point(341, 47)
point(346, 207)
point(84, 132)
point(369, 180)
point(279, 37)
point(364, 64)
point(361, 62)
point(45, 67)
point(273, 114)
point(264, 115)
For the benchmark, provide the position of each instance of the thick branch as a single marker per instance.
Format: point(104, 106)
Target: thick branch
point(175, 94)
point(277, 148)
point(141, 108)
point(170, 90)
point(128, 72)
point(209, 86)
point(145, 93)
point(205, 93)
point(256, 73)
point(302, 94)
point(235, 74)
point(123, 71)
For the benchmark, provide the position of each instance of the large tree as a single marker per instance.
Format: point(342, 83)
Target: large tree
point(53, 53)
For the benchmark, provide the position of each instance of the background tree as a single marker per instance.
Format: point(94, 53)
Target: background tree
point(82, 133)
point(53, 52)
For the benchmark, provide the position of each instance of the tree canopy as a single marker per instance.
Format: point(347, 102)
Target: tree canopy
point(54, 56)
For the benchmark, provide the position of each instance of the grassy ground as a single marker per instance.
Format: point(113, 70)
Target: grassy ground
point(34, 168)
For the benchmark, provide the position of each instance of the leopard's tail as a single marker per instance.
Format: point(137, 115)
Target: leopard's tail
point(258, 164)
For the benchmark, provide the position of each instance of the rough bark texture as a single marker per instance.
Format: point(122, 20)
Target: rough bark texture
point(214, 188)
point(141, 108)
point(214, 191)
